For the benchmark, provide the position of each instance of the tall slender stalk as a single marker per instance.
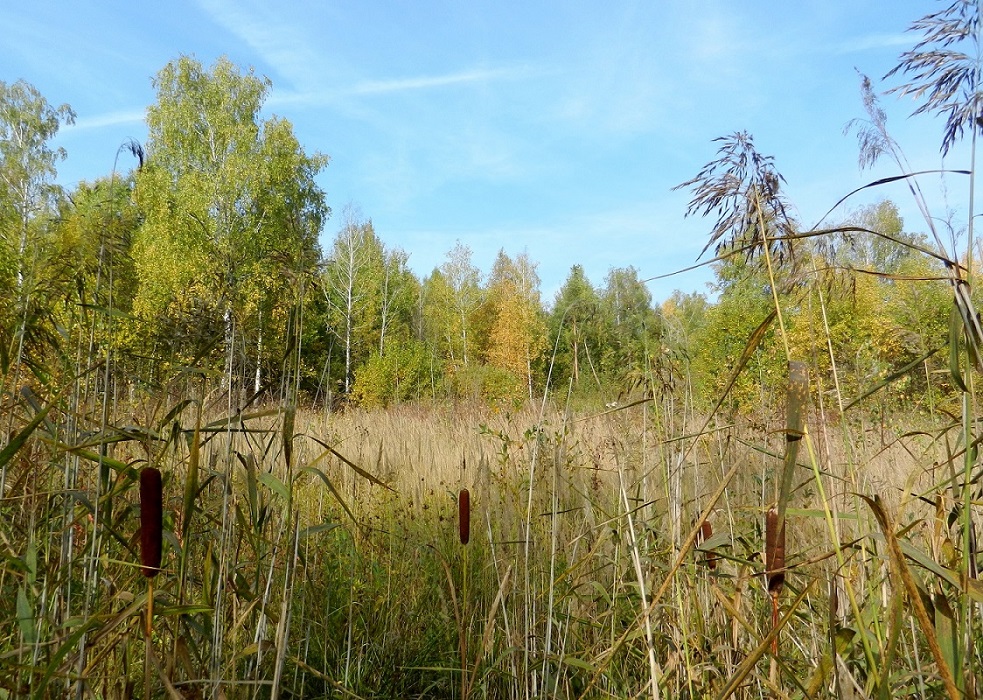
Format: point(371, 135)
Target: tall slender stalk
point(947, 78)
point(655, 673)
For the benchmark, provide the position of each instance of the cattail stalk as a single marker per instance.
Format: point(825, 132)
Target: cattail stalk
point(464, 530)
point(774, 564)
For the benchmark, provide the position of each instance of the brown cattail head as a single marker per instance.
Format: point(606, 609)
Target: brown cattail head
point(706, 532)
point(774, 552)
point(464, 515)
point(151, 520)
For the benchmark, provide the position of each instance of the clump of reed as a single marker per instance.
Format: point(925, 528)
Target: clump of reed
point(573, 528)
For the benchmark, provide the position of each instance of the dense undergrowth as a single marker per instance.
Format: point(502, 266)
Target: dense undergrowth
point(301, 577)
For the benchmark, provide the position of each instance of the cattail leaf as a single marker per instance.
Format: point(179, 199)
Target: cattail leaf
point(191, 479)
point(954, 369)
point(70, 645)
point(928, 563)
point(721, 539)
point(31, 399)
point(749, 347)
point(25, 617)
point(901, 574)
point(970, 320)
point(889, 180)
point(486, 637)
point(252, 493)
point(174, 412)
point(114, 464)
point(173, 541)
point(31, 562)
point(578, 663)
point(21, 437)
point(947, 628)
point(223, 423)
point(331, 487)
point(974, 589)
point(817, 513)
point(274, 485)
point(315, 529)
point(117, 435)
point(151, 520)
point(107, 311)
point(328, 450)
point(736, 681)
point(177, 610)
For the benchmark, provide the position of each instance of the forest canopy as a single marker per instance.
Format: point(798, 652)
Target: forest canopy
point(215, 254)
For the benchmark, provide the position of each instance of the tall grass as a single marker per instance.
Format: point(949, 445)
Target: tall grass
point(324, 583)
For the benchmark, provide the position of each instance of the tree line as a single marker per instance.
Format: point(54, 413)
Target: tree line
point(199, 259)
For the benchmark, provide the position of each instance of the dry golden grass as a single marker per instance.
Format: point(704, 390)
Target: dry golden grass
point(577, 522)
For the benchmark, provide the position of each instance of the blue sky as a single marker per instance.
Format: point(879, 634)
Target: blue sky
point(556, 128)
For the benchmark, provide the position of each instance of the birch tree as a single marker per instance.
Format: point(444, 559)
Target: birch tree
point(232, 212)
point(28, 198)
point(464, 281)
point(346, 285)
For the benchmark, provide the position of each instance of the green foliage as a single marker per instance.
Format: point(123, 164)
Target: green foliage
point(30, 277)
point(403, 373)
point(877, 253)
point(370, 300)
point(351, 283)
point(576, 332)
point(232, 216)
point(634, 329)
point(744, 301)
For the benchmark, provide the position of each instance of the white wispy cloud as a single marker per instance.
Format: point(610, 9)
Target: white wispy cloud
point(424, 82)
point(387, 86)
point(316, 76)
point(99, 121)
point(278, 43)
